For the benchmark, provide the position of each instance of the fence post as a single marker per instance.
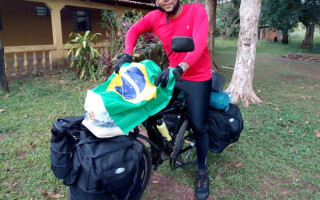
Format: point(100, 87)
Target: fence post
point(3, 77)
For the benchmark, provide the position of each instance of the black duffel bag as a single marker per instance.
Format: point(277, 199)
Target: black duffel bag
point(223, 127)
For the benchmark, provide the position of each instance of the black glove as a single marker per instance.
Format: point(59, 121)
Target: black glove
point(126, 58)
point(177, 72)
point(163, 77)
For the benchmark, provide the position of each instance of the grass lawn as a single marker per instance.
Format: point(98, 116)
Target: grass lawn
point(277, 156)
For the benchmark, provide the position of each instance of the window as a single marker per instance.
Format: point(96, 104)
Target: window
point(81, 20)
point(42, 11)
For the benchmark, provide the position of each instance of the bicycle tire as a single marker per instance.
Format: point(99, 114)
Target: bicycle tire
point(184, 154)
point(147, 168)
point(179, 140)
point(145, 173)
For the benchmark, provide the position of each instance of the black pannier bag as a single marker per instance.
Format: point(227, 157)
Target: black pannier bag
point(223, 127)
point(62, 144)
point(95, 168)
point(107, 169)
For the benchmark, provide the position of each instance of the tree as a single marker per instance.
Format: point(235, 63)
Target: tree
point(309, 16)
point(211, 7)
point(285, 14)
point(281, 15)
point(3, 77)
point(242, 78)
point(228, 17)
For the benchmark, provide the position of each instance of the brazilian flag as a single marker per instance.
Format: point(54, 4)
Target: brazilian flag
point(126, 99)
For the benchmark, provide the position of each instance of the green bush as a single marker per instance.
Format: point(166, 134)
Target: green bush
point(148, 45)
point(86, 56)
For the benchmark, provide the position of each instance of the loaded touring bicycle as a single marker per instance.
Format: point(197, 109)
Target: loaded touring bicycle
point(119, 168)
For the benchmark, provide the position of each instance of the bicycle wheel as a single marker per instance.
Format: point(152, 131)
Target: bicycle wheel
point(187, 154)
point(146, 167)
point(184, 148)
point(143, 176)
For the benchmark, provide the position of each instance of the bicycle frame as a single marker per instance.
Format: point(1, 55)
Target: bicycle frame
point(161, 149)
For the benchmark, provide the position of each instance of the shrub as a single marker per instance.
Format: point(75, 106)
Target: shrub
point(84, 56)
point(148, 45)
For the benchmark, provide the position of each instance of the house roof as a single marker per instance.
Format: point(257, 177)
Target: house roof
point(148, 4)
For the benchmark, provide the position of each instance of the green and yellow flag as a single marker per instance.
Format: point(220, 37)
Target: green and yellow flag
point(126, 99)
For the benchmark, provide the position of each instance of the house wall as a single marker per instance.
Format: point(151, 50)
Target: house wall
point(269, 34)
point(21, 25)
point(28, 37)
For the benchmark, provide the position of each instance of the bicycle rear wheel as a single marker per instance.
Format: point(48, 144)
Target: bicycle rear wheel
point(145, 168)
point(187, 154)
point(184, 153)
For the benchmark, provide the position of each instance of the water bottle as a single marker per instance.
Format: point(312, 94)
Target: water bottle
point(163, 129)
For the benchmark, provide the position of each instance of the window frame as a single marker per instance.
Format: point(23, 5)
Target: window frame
point(81, 21)
point(42, 11)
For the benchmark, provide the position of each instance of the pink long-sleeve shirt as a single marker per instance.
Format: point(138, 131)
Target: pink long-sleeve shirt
point(192, 22)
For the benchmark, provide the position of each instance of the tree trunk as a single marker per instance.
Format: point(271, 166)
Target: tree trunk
point(242, 78)
point(285, 37)
point(3, 77)
point(211, 7)
point(308, 39)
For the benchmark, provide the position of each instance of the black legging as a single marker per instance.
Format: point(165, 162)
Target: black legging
point(197, 94)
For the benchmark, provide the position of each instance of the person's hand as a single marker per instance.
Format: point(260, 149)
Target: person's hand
point(177, 72)
point(163, 77)
point(126, 58)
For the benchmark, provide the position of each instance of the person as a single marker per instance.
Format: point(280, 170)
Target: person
point(174, 19)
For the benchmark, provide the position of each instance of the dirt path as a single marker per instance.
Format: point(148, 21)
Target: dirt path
point(164, 188)
point(307, 68)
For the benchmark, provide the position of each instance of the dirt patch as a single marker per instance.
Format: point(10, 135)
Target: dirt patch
point(22, 154)
point(297, 67)
point(6, 135)
point(164, 188)
point(161, 187)
point(289, 78)
point(278, 188)
point(283, 187)
point(2, 137)
point(301, 56)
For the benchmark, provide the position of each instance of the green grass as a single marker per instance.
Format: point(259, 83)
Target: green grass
point(278, 148)
point(25, 132)
point(274, 48)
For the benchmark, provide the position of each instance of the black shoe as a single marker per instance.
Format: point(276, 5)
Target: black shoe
point(202, 185)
